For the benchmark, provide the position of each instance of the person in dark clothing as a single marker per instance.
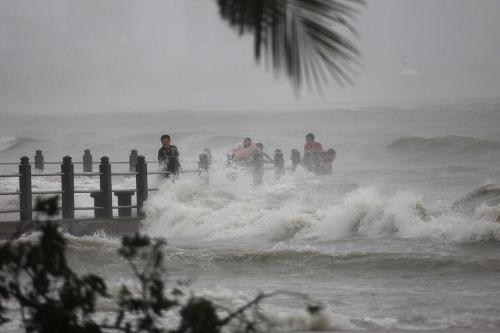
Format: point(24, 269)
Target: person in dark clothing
point(266, 156)
point(326, 161)
point(168, 156)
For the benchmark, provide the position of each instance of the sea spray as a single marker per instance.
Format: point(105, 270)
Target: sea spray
point(224, 212)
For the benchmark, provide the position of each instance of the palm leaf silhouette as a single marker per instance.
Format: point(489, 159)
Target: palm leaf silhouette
point(300, 38)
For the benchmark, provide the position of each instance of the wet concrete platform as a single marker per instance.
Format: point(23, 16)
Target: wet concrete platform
point(82, 227)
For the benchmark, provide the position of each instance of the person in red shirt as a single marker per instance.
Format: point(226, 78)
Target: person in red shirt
point(311, 146)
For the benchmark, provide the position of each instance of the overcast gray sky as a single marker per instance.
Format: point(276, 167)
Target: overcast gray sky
point(73, 55)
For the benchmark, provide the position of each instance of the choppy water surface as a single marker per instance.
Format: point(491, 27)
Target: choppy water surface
point(378, 242)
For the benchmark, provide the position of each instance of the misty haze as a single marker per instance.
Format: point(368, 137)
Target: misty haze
point(359, 174)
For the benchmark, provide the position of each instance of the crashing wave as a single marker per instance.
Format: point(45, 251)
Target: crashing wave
point(12, 142)
point(445, 146)
point(486, 195)
point(211, 214)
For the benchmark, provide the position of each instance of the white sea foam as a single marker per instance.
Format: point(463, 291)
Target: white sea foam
point(369, 213)
point(284, 318)
point(227, 210)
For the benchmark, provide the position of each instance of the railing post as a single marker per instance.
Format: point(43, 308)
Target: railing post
point(124, 200)
point(98, 212)
point(105, 187)
point(295, 158)
point(25, 197)
point(315, 162)
point(39, 160)
point(279, 164)
point(307, 160)
point(132, 160)
point(203, 163)
point(87, 161)
point(258, 172)
point(141, 182)
point(68, 188)
point(209, 156)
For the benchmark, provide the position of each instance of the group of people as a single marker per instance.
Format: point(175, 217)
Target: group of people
point(243, 151)
point(314, 159)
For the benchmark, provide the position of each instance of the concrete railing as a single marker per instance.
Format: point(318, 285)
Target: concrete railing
point(103, 197)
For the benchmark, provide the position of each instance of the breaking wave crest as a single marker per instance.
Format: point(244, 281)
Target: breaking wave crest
point(449, 146)
point(281, 212)
point(12, 142)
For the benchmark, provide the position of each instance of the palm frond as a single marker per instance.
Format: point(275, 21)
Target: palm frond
point(301, 38)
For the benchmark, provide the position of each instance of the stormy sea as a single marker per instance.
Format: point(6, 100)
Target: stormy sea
point(398, 238)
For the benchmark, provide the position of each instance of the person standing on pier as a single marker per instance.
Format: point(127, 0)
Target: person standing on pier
point(168, 157)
